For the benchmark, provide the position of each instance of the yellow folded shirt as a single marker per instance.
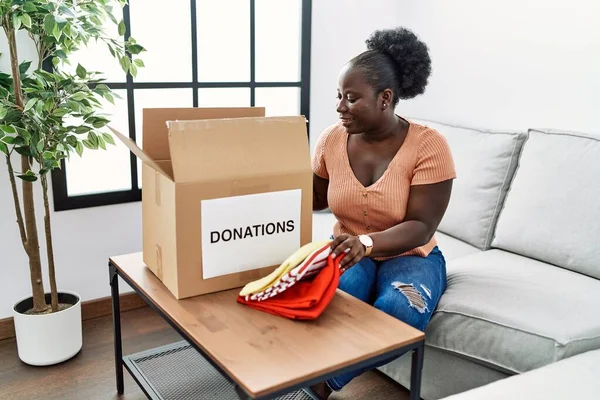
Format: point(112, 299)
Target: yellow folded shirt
point(290, 263)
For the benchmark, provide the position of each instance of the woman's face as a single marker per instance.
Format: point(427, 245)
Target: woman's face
point(360, 110)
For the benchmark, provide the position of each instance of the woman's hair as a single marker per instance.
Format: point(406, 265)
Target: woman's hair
point(395, 59)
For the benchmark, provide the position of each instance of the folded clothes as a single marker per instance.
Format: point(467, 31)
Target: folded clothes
point(291, 262)
point(302, 292)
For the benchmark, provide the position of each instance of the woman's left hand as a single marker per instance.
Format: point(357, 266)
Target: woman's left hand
point(349, 247)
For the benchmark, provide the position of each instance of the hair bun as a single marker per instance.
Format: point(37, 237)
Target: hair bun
point(409, 55)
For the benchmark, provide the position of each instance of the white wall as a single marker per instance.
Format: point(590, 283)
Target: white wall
point(339, 31)
point(509, 64)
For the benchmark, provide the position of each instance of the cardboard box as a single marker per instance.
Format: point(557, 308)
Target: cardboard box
point(226, 195)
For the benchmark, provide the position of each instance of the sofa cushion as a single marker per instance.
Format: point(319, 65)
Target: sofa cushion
point(485, 162)
point(573, 378)
point(514, 312)
point(453, 248)
point(552, 212)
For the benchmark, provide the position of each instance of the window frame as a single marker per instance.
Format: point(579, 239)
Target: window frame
point(63, 202)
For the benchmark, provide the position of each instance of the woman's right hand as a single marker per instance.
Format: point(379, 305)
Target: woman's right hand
point(348, 247)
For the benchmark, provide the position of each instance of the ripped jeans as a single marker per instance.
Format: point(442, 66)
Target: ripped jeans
point(406, 287)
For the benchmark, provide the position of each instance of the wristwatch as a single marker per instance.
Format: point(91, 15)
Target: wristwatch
point(367, 242)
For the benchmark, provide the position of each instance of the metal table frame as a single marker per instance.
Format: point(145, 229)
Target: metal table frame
point(417, 349)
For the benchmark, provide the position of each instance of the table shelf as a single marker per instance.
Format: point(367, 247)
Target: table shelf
point(178, 372)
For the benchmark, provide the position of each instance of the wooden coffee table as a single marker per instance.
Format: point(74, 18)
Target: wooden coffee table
point(258, 354)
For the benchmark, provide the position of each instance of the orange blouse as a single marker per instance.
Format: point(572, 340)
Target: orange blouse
point(424, 158)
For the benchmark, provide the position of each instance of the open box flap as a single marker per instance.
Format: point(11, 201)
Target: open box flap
point(127, 141)
point(228, 148)
point(155, 138)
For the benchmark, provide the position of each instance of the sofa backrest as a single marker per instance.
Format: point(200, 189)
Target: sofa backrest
point(552, 212)
point(485, 161)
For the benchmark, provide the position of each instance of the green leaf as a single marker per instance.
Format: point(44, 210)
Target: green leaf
point(133, 70)
point(60, 112)
point(74, 106)
point(16, 21)
point(49, 24)
point(99, 122)
point(49, 104)
point(61, 54)
point(71, 141)
point(24, 67)
point(46, 165)
point(48, 155)
point(122, 28)
point(112, 51)
point(125, 63)
point(26, 20)
point(29, 7)
point(101, 143)
point(102, 87)
point(40, 146)
point(81, 72)
point(3, 112)
point(109, 97)
point(93, 138)
point(60, 20)
point(135, 49)
point(79, 96)
point(24, 151)
point(66, 10)
point(56, 31)
point(82, 129)
point(9, 130)
point(24, 133)
point(108, 138)
point(20, 141)
point(3, 148)
point(28, 178)
point(79, 148)
point(8, 139)
point(139, 63)
point(87, 143)
point(39, 107)
point(67, 31)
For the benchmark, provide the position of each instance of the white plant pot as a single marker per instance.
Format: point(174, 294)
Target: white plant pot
point(51, 338)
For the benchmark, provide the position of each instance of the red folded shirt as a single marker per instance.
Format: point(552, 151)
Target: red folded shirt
point(302, 295)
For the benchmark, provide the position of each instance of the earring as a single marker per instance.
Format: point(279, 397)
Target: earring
point(384, 105)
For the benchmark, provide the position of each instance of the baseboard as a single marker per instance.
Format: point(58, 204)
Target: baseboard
point(89, 310)
point(7, 328)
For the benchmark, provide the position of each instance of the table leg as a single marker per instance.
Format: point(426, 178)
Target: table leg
point(116, 309)
point(416, 371)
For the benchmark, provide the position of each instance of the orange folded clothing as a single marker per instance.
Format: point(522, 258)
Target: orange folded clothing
point(302, 293)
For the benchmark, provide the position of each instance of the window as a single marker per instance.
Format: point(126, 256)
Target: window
point(200, 53)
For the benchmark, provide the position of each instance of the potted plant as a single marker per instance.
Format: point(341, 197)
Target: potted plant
point(46, 114)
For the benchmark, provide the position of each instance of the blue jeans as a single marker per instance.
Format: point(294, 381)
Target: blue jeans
point(406, 287)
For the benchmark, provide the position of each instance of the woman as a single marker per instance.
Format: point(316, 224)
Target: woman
point(388, 182)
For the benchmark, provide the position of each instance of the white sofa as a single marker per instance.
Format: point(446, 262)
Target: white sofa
point(521, 238)
point(575, 377)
